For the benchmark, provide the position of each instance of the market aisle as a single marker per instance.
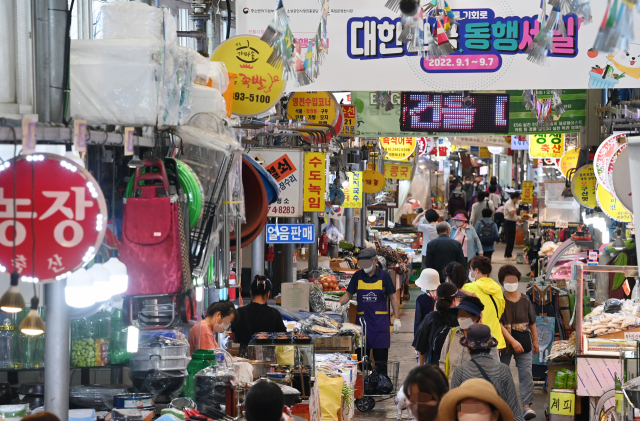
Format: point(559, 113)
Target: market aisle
point(402, 351)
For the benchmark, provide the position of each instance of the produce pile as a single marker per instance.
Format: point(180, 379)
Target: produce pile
point(611, 317)
point(395, 258)
point(329, 283)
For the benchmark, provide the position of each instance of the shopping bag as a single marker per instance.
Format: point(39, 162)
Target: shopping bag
point(330, 396)
point(285, 355)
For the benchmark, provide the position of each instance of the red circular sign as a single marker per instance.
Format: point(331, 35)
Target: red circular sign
point(66, 218)
point(425, 145)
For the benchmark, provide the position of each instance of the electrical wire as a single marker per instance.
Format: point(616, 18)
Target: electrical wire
point(15, 183)
point(228, 18)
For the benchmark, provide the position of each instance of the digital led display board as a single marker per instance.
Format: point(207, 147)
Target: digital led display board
point(436, 112)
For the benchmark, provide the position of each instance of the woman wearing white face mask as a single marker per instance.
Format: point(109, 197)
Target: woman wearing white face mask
point(474, 400)
point(466, 235)
point(218, 318)
point(428, 282)
point(453, 354)
point(519, 329)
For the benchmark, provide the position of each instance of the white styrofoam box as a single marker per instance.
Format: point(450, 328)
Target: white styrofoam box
point(207, 100)
point(117, 81)
point(132, 19)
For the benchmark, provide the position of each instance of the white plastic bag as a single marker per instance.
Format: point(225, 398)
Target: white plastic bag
point(132, 19)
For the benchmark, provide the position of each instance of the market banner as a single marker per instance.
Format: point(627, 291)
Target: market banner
point(546, 145)
point(489, 41)
point(314, 181)
point(353, 192)
point(574, 116)
point(527, 192)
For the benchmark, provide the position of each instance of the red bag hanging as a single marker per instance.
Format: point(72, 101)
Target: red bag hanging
point(151, 237)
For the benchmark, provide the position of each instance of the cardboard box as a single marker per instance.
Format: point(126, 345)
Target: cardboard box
point(295, 296)
point(335, 344)
point(408, 218)
point(338, 265)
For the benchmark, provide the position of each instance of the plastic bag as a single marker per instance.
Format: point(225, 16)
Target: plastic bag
point(330, 396)
point(130, 19)
point(371, 384)
point(613, 305)
point(316, 298)
point(210, 387)
point(334, 234)
point(385, 385)
point(561, 379)
point(571, 380)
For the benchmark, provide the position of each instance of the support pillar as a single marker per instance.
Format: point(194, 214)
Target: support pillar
point(257, 255)
point(313, 247)
point(290, 268)
point(57, 345)
point(348, 225)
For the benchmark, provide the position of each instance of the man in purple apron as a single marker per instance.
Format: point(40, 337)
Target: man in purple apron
point(374, 287)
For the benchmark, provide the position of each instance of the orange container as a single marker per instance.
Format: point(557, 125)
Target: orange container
point(301, 410)
point(228, 94)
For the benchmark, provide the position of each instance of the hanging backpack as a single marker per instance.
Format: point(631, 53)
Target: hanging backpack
point(151, 235)
point(487, 234)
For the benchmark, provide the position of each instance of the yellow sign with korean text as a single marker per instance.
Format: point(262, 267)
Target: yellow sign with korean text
point(546, 145)
point(561, 403)
point(484, 153)
point(314, 181)
point(527, 192)
point(373, 181)
point(583, 186)
point(398, 148)
point(569, 160)
point(395, 171)
point(350, 120)
point(259, 85)
point(353, 192)
point(612, 206)
point(313, 107)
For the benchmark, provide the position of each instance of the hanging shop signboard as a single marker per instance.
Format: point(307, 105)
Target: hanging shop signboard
point(60, 216)
point(621, 182)
point(583, 186)
point(484, 153)
point(373, 181)
point(259, 85)
point(546, 145)
point(350, 120)
point(527, 192)
point(572, 119)
point(313, 107)
point(353, 192)
point(562, 402)
point(490, 43)
point(610, 165)
point(398, 148)
point(436, 112)
point(611, 205)
point(314, 181)
point(395, 171)
point(569, 160)
point(285, 166)
point(425, 145)
point(291, 233)
point(603, 155)
point(518, 142)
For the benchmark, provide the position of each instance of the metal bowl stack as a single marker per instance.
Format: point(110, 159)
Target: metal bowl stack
point(160, 366)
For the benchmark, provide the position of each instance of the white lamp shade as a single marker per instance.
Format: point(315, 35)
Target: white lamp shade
point(79, 291)
point(119, 279)
point(102, 288)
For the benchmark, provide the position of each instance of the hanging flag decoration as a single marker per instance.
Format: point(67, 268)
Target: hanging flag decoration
point(543, 110)
point(616, 30)
point(301, 67)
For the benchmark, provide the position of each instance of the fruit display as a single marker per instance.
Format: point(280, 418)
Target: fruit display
point(329, 283)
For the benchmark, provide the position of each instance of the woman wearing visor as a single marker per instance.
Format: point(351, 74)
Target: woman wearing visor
point(375, 289)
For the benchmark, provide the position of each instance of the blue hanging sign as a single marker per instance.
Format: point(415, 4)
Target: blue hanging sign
point(290, 233)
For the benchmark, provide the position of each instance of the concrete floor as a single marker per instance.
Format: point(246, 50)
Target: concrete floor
point(402, 351)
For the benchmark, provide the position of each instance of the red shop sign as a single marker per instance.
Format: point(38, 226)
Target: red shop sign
point(425, 145)
point(67, 217)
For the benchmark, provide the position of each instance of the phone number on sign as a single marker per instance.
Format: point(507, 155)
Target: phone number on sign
point(240, 96)
point(283, 210)
point(474, 62)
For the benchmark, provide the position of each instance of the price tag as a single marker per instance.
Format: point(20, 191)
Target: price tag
point(562, 224)
point(626, 288)
point(562, 403)
point(632, 336)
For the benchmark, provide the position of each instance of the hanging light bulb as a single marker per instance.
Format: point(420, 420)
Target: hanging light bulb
point(135, 162)
point(345, 184)
point(12, 301)
point(79, 291)
point(33, 325)
point(102, 290)
point(619, 243)
point(119, 279)
point(73, 156)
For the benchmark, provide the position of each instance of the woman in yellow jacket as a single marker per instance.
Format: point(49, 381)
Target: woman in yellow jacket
point(489, 292)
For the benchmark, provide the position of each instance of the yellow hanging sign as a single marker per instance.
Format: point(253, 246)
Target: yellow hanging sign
point(259, 85)
point(314, 181)
point(612, 206)
point(398, 148)
point(350, 120)
point(373, 181)
point(562, 403)
point(583, 186)
point(569, 160)
point(527, 192)
point(313, 107)
point(546, 145)
point(484, 153)
point(395, 171)
point(353, 192)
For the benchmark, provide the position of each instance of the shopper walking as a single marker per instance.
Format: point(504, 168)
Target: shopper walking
point(474, 400)
point(453, 354)
point(466, 235)
point(483, 203)
point(455, 273)
point(444, 250)
point(482, 366)
point(430, 335)
point(457, 201)
point(519, 330)
point(490, 294)
point(468, 189)
point(510, 218)
point(487, 233)
point(428, 282)
point(428, 230)
point(425, 386)
point(494, 196)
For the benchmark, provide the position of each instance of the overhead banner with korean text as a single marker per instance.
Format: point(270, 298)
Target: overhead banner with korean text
point(353, 192)
point(490, 42)
point(314, 181)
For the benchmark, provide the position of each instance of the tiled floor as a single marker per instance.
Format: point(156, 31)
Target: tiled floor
point(402, 351)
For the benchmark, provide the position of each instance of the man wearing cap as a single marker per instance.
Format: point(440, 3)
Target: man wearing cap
point(482, 366)
point(374, 287)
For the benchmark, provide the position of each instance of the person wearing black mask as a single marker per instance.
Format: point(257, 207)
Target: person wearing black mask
point(424, 387)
